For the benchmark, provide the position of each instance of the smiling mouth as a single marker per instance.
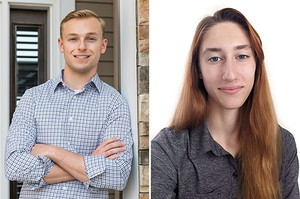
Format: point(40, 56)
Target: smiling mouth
point(231, 90)
point(81, 56)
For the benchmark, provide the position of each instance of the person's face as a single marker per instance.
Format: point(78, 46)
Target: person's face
point(227, 65)
point(82, 44)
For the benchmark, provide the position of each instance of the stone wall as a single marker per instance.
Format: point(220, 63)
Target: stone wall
point(143, 94)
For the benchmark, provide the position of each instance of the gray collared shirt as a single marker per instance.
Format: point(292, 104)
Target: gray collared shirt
point(190, 164)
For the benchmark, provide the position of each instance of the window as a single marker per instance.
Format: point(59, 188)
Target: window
point(28, 60)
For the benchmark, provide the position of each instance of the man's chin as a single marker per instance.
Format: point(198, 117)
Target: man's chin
point(83, 69)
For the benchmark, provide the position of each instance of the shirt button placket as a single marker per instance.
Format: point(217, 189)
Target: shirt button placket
point(69, 127)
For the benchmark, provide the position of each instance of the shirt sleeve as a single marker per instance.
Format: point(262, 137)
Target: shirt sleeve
point(19, 163)
point(106, 173)
point(163, 169)
point(290, 167)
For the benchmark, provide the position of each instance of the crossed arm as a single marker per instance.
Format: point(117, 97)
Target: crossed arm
point(41, 164)
point(65, 169)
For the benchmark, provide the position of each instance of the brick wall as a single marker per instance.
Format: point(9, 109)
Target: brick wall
point(143, 95)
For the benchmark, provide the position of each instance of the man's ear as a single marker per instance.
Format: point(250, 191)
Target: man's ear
point(103, 46)
point(60, 45)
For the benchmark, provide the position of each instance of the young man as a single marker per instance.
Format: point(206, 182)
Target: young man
point(71, 136)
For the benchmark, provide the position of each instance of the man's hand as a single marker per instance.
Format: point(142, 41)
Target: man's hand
point(40, 149)
point(109, 148)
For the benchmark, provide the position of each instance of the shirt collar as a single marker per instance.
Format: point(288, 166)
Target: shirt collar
point(202, 142)
point(58, 80)
point(95, 80)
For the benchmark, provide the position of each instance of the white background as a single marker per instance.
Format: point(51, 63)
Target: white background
point(173, 24)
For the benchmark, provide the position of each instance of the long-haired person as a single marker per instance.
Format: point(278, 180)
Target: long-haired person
point(224, 140)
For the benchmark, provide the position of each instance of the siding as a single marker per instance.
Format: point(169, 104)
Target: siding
point(104, 8)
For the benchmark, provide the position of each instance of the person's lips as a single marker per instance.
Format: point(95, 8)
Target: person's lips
point(81, 56)
point(231, 89)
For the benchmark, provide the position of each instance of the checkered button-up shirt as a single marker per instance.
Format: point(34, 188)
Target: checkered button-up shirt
point(53, 114)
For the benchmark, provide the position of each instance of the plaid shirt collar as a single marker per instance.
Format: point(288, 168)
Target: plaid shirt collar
point(95, 81)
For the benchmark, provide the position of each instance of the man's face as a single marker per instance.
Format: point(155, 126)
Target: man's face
point(82, 45)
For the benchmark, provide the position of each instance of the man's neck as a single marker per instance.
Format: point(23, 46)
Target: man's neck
point(75, 80)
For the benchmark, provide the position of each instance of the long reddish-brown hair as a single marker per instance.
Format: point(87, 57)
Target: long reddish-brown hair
point(260, 137)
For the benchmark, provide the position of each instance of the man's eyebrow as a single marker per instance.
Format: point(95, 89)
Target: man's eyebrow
point(75, 34)
point(92, 33)
point(71, 34)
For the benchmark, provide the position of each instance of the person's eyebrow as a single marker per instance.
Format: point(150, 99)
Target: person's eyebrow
point(75, 34)
point(238, 47)
point(92, 33)
point(241, 47)
point(71, 34)
point(211, 50)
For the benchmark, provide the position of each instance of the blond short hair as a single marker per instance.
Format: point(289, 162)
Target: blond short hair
point(82, 14)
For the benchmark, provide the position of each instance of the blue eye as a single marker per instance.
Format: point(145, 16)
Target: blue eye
point(243, 57)
point(214, 59)
point(91, 39)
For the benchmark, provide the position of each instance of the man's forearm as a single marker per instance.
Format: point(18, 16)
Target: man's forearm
point(70, 166)
point(70, 162)
point(57, 175)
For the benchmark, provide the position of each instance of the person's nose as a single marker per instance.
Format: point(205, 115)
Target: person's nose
point(82, 45)
point(229, 70)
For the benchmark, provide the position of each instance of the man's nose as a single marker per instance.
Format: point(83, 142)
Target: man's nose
point(82, 45)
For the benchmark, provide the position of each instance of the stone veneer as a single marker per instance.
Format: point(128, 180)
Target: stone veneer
point(143, 95)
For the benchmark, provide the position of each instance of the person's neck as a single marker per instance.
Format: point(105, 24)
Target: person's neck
point(224, 128)
point(75, 80)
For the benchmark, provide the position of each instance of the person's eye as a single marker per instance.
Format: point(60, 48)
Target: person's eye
point(91, 39)
point(214, 59)
point(241, 57)
point(72, 39)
